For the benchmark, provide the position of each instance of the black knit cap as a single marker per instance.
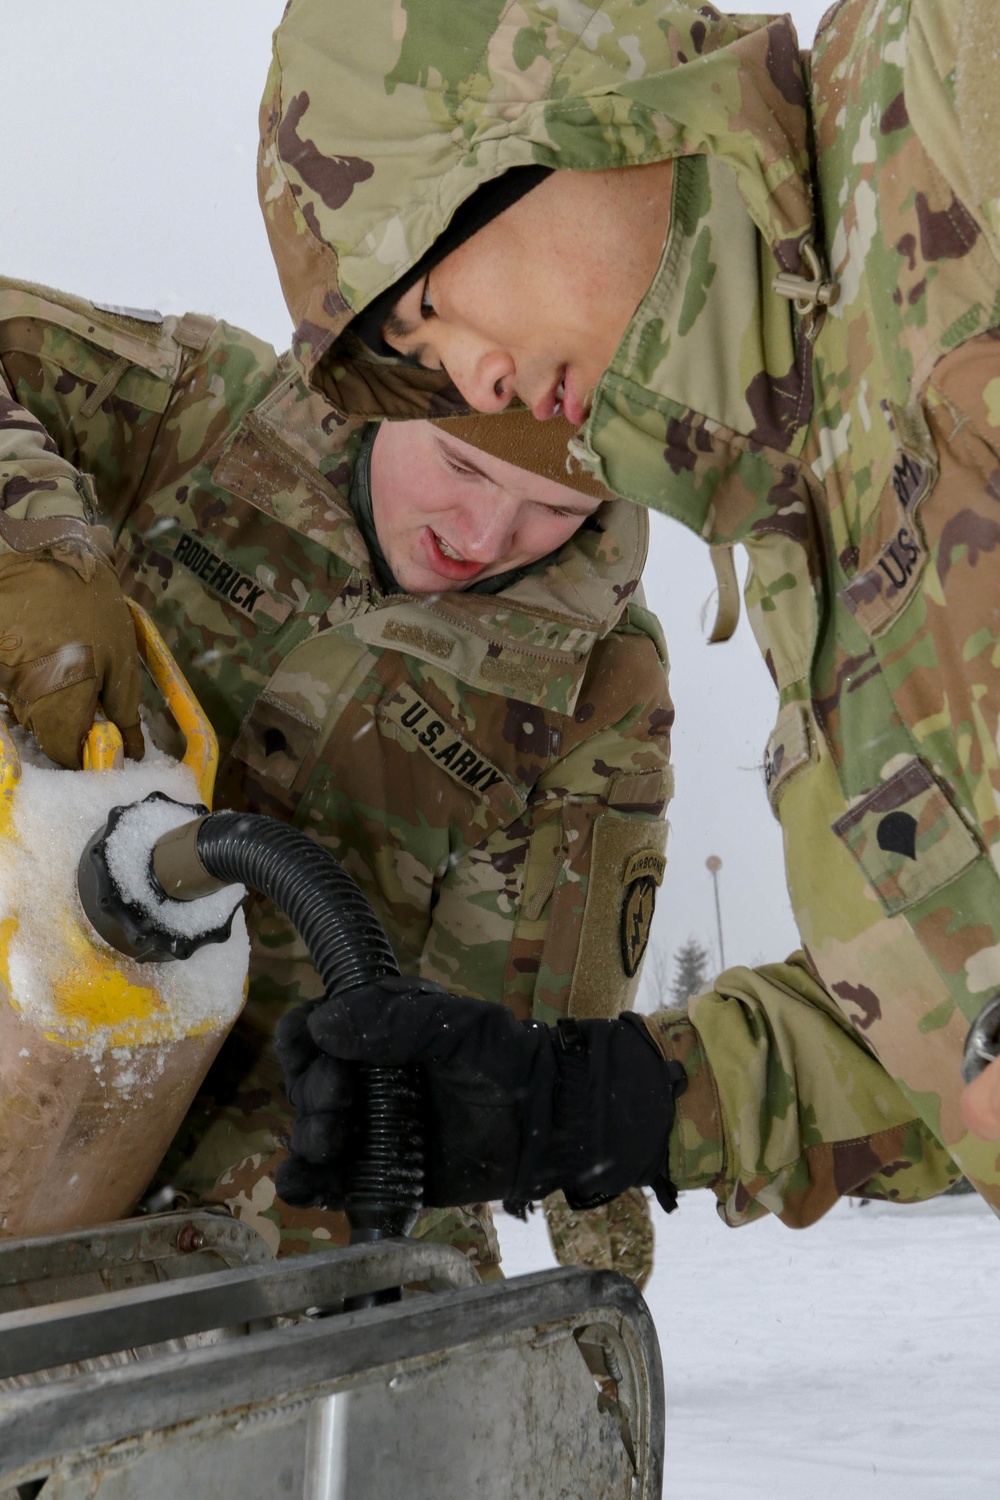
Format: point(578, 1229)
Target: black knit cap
point(488, 200)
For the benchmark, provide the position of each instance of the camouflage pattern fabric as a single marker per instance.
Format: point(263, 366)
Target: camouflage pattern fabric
point(615, 1237)
point(463, 755)
point(813, 373)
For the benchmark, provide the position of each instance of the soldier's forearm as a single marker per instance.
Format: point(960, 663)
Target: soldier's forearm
point(785, 1109)
point(35, 481)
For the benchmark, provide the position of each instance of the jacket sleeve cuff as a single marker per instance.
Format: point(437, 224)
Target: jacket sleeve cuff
point(36, 482)
point(696, 1155)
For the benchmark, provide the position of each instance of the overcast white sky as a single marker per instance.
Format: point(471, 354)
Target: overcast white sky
point(129, 171)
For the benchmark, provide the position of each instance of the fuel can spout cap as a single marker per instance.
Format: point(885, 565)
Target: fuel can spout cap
point(143, 888)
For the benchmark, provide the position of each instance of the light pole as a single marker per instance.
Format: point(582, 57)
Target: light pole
point(714, 863)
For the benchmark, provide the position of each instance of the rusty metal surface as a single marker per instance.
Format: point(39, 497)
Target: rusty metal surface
point(133, 1252)
point(488, 1391)
point(39, 1273)
point(68, 1332)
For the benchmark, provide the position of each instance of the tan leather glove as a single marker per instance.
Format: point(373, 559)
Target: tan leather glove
point(66, 637)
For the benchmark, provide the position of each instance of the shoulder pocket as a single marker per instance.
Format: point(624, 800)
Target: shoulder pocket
point(603, 895)
point(908, 838)
point(626, 870)
point(106, 350)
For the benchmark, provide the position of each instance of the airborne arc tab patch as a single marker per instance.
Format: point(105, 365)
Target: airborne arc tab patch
point(626, 864)
point(642, 875)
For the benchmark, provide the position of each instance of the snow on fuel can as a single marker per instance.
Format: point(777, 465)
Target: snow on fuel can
point(100, 1056)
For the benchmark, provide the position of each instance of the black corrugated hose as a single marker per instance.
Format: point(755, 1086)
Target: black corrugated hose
point(349, 949)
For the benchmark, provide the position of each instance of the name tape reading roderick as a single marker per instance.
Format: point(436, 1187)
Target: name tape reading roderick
point(239, 588)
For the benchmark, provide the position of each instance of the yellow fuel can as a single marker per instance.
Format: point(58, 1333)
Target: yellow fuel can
point(100, 1056)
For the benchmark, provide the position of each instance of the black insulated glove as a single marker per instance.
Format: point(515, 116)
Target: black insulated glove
point(511, 1109)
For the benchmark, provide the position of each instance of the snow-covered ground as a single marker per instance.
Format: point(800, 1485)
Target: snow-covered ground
point(855, 1360)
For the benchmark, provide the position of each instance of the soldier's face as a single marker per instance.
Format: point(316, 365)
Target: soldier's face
point(535, 304)
point(447, 514)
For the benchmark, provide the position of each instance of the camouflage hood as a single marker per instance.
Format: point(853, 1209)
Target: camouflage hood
point(378, 120)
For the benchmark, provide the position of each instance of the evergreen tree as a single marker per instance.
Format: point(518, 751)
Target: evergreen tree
point(691, 964)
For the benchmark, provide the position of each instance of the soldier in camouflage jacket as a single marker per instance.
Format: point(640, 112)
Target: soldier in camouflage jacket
point(491, 768)
point(813, 372)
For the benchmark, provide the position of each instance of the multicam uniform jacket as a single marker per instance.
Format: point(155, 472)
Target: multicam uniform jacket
point(491, 769)
point(814, 373)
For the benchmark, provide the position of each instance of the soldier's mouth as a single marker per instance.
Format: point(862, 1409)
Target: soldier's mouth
point(565, 399)
point(575, 404)
point(550, 404)
point(446, 560)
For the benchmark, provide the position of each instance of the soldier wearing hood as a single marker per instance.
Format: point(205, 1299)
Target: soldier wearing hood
point(765, 286)
point(419, 643)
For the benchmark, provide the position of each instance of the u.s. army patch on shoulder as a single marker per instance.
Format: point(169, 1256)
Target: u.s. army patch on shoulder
point(642, 874)
point(878, 594)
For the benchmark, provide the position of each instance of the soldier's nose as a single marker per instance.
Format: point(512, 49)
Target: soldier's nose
point(488, 535)
point(483, 374)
